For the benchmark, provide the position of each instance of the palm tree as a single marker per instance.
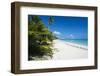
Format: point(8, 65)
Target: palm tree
point(50, 20)
point(39, 38)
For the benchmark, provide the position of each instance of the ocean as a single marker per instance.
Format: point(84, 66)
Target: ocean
point(83, 42)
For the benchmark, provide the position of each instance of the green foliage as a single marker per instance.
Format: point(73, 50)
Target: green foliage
point(39, 39)
point(50, 20)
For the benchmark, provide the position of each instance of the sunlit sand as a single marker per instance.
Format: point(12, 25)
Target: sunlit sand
point(65, 50)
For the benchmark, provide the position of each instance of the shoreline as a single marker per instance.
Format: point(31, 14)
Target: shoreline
point(67, 50)
point(74, 44)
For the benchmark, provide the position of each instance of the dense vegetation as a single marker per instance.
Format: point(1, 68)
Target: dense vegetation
point(39, 39)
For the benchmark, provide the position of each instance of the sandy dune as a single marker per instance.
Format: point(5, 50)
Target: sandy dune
point(65, 50)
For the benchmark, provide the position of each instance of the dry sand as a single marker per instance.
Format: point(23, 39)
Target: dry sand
point(65, 50)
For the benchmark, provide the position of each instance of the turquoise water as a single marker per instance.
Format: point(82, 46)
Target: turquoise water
point(78, 41)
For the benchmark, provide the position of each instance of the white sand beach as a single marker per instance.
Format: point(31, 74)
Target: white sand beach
point(65, 50)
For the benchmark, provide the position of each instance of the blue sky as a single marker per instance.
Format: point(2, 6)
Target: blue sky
point(67, 27)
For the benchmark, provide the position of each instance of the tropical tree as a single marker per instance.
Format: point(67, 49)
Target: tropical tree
point(50, 20)
point(39, 39)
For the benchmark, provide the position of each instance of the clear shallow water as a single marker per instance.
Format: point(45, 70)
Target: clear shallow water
point(78, 41)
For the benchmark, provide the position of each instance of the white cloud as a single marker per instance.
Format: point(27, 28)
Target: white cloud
point(56, 32)
point(71, 36)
